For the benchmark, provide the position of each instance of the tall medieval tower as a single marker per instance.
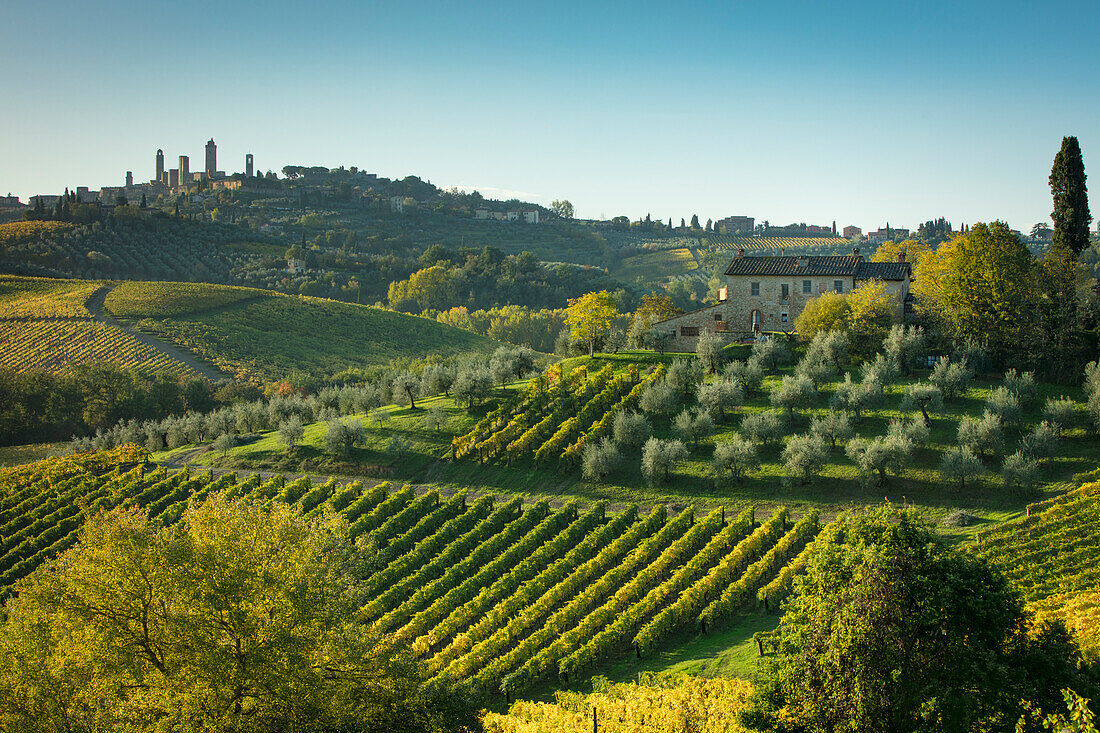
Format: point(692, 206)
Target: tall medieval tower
point(160, 166)
point(211, 157)
point(248, 165)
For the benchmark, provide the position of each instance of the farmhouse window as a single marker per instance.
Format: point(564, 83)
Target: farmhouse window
point(783, 316)
point(689, 330)
point(807, 286)
point(754, 289)
point(785, 293)
point(838, 285)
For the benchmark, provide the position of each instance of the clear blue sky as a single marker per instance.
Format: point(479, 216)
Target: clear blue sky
point(861, 112)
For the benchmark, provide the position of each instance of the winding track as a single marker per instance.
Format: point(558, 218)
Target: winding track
point(94, 304)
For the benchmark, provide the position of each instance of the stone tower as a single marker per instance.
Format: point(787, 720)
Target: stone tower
point(160, 165)
point(248, 165)
point(129, 179)
point(211, 157)
point(185, 169)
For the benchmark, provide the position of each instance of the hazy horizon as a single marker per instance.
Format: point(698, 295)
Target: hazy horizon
point(788, 112)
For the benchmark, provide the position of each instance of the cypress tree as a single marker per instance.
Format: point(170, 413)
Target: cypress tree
point(1071, 198)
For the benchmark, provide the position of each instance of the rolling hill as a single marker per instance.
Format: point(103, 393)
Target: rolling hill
point(261, 335)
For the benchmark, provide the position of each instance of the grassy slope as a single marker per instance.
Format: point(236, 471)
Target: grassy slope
point(265, 335)
point(838, 487)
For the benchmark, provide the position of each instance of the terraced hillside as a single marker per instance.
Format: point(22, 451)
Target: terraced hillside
point(262, 335)
point(807, 245)
point(495, 593)
point(1053, 557)
point(46, 325)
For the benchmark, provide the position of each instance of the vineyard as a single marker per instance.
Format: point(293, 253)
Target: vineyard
point(556, 416)
point(261, 335)
point(686, 704)
point(809, 245)
point(1051, 556)
point(150, 248)
point(494, 593)
point(45, 325)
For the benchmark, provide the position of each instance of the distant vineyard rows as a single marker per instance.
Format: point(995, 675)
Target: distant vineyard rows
point(490, 592)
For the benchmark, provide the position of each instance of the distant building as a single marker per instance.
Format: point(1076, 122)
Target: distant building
point(211, 157)
point(882, 235)
point(767, 293)
point(173, 175)
point(229, 184)
point(129, 179)
point(84, 196)
point(46, 199)
point(851, 231)
point(160, 167)
point(397, 204)
point(295, 266)
point(530, 217)
point(815, 229)
point(184, 169)
point(9, 200)
point(248, 165)
point(734, 224)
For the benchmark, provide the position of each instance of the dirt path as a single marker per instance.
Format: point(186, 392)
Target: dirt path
point(94, 304)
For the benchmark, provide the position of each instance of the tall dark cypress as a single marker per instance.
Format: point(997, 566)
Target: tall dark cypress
point(1071, 198)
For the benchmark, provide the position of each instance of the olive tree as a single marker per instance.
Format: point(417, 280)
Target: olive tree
point(1061, 413)
point(762, 427)
point(1041, 441)
point(600, 459)
point(1003, 403)
point(693, 425)
point(291, 431)
point(749, 374)
point(904, 345)
point(630, 430)
point(770, 353)
point(708, 348)
point(804, 456)
point(1020, 470)
point(875, 457)
point(659, 457)
point(716, 397)
point(342, 437)
point(683, 375)
point(833, 427)
point(982, 435)
point(950, 378)
point(793, 391)
point(734, 457)
point(1021, 384)
point(406, 386)
point(960, 463)
point(659, 398)
point(925, 397)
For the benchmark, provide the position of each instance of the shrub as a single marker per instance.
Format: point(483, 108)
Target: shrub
point(961, 464)
point(1020, 470)
point(659, 457)
point(950, 378)
point(600, 460)
point(630, 430)
point(833, 427)
point(762, 427)
point(804, 456)
point(735, 457)
point(693, 425)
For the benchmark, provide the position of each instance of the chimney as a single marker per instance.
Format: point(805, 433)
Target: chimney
point(741, 252)
point(901, 256)
point(855, 251)
point(803, 261)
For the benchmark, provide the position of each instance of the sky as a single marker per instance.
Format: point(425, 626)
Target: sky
point(789, 111)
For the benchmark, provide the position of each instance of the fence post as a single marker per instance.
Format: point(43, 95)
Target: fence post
point(595, 725)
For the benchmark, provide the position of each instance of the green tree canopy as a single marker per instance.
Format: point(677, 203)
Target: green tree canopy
point(890, 630)
point(236, 618)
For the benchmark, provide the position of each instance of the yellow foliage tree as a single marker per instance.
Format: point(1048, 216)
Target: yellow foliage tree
point(425, 288)
point(589, 317)
point(872, 308)
point(826, 312)
point(889, 251)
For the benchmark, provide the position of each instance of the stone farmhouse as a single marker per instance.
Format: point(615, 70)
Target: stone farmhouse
point(766, 293)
